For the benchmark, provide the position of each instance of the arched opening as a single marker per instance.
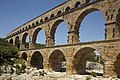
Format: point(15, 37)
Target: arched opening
point(37, 22)
point(23, 29)
point(52, 15)
point(17, 42)
point(57, 61)
point(24, 56)
point(33, 24)
point(87, 61)
point(20, 30)
point(117, 65)
point(67, 9)
point(91, 26)
point(59, 32)
point(39, 38)
point(37, 60)
point(77, 4)
point(41, 21)
point(46, 18)
point(59, 12)
point(25, 40)
point(29, 26)
point(11, 41)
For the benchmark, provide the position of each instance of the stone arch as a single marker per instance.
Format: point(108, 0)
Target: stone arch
point(52, 15)
point(24, 37)
point(80, 18)
point(80, 58)
point(56, 59)
point(46, 18)
point(37, 60)
point(11, 41)
point(67, 9)
point(77, 4)
point(24, 56)
point(35, 33)
point(117, 65)
point(30, 26)
point(54, 27)
point(23, 29)
point(37, 22)
point(59, 12)
point(41, 21)
point(33, 24)
point(17, 42)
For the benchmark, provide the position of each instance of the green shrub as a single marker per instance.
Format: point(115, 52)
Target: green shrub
point(88, 78)
point(94, 74)
point(18, 72)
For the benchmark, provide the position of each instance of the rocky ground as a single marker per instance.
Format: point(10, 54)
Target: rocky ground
point(34, 74)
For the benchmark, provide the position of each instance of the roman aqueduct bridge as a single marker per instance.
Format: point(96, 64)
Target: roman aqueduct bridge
point(75, 53)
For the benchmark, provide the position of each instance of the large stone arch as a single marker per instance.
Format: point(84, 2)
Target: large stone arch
point(54, 26)
point(80, 58)
point(56, 58)
point(24, 56)
point(35, 34)
point(82, 15)
point(37, 60)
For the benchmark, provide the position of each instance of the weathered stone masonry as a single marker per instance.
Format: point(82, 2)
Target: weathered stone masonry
point(75, 52)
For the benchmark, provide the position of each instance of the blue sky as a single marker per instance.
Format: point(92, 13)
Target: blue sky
point(14, 13)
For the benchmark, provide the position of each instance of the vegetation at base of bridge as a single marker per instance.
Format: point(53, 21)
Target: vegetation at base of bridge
point(94, 58)
point(7, 52)
point(10, 59)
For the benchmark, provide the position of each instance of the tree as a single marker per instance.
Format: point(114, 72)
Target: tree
point(7, 52)
point(92, 57)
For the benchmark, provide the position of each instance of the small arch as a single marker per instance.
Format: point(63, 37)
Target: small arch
point(33, 24)
point(46, 18)
point(26, 28)
point(52, 15)
point(59, 12)
point(41, 21)
point(24, 56)
point(23, 29)
point(37, 22)
point(20, 30)
point(67, 9)
point(77, 4)
point(29, 26)
point(37, 60)
point(57, 61)
point(11, 41)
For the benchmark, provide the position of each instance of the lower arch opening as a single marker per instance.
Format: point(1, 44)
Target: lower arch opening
point(37, 60)
point(57, 61)
point(88, 61)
